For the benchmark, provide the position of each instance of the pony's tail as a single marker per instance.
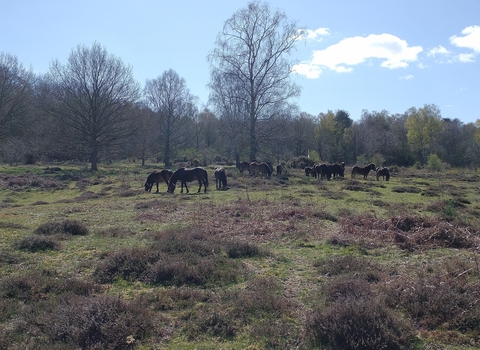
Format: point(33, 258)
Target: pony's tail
point(206, 179)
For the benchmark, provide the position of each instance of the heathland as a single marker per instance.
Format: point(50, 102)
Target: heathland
point(91, 260)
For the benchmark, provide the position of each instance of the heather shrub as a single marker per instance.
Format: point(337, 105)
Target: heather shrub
point(345, 287)
point(102, 322)
point(186, 241)
point(178, 298)
point(17, 287)
point(215, 320)
point(127, 264)
point(237, 250)
point(69, 227)
point(263, 297)
point(187, 269)
point(349, 265)
point(35, 244)
point(358, 323)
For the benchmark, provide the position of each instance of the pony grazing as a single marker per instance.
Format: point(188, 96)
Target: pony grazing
point(187, 175)
point(362, 170)
point(260, 169)
point(220, 178)
point(157, 177)
point(384, 173)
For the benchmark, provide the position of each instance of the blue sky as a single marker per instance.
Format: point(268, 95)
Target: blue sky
point(369, 54)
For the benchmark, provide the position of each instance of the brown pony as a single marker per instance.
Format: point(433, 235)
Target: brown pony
point(157, 177)
point(244, 166)
point(384, 173)
point(187, 175)
point(362, 170)
point(220, 178)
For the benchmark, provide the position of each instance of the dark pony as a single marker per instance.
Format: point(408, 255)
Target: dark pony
point(322, 171)
point(337, 169)
point(362, 170)
point(187, 175)
point(244, 166)
point(384, 173)
point(220, 178)
point(157, 177)
point(309, 171)
point(279, 169)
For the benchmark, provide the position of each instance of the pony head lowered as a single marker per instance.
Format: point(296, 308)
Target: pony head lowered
point(187, 175)
point(220, 178)
point(156, 177)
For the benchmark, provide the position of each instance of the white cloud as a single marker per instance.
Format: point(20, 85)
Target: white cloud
point(406, 77)
point(394, 52)
point(314, 34)
point(307, 70)
point(465, 57)
point(440, 50)
point(470, 40)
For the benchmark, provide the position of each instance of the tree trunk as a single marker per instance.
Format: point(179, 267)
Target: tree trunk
point(94, 159)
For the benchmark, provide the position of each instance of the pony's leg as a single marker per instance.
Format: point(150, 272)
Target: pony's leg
point(186, 186)
point(157, 187)
point(199, 185)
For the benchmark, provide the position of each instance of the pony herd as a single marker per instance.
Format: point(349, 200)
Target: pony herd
point(184, 175)
point(258, 168)
point(326, 171)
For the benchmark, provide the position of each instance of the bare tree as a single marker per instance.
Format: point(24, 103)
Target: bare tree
point(15, 93)
point(231, 112)
point(143, 143)
point(175, 107)
point(92, 94)
point(250, 54)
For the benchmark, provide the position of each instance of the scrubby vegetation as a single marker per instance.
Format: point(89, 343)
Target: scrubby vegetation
point(283, 263)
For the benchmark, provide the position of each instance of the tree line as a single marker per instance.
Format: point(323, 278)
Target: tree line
point(91, 109)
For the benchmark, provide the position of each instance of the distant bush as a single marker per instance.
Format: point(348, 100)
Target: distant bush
point(69, 227)
point(434, 163)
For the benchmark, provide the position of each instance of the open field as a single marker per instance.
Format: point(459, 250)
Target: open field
point(90, 260)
